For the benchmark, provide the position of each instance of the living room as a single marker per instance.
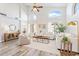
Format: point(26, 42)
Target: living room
point(44, 25)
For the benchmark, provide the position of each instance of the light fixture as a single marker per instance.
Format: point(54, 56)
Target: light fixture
point(71, 23)
point(36, 7)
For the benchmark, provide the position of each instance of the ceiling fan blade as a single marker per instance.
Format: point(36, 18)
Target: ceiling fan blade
point(40, 7)
point(37, 9)
point(34, 6)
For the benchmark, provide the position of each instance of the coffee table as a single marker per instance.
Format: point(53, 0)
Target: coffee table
point(42, 38)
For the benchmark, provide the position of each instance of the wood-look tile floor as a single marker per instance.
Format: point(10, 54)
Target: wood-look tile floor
point(11, 48)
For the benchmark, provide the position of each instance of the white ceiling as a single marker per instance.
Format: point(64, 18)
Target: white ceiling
point(48, 4)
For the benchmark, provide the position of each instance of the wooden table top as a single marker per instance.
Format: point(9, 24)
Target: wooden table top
point(41, 37)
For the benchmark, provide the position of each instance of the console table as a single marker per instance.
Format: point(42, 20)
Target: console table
point(10, 36)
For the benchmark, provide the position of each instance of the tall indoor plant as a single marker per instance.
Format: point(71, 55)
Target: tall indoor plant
point(61, 28)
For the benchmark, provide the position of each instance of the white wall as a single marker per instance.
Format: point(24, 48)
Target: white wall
point(5, 22)
point(24, 17)
point(12, 10)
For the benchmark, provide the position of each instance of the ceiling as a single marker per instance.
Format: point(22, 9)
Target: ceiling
point(48, 4)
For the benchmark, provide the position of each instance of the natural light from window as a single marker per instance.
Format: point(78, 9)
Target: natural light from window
point(34, 17)
point(50, 27)
point(55, 13)
point(77, 8)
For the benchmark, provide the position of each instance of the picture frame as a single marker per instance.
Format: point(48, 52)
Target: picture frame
point(12, 27)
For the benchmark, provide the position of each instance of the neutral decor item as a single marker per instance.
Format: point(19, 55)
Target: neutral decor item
point(12, 27)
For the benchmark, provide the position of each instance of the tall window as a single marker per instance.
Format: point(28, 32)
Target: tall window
point(50, 27)
point(76, 8)
point(54, 13)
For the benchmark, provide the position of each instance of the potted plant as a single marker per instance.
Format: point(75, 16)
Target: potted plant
point(65, 39)
point(61, 28)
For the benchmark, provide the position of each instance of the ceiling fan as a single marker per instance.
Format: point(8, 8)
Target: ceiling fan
point(36, 7)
